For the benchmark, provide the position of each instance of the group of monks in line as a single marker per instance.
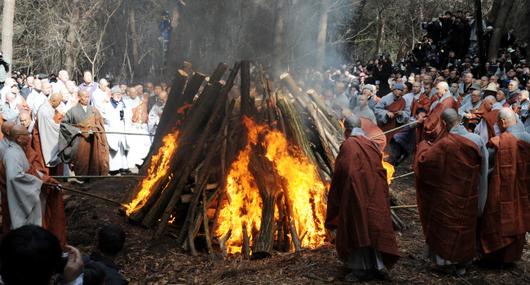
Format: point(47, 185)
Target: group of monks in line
point(472, 188)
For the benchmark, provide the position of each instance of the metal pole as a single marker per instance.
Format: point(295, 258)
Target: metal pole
point(404, 175)
point(404, 207)
point(97, 177)
point(86, 194)
point(115, 133)
point(394, 129)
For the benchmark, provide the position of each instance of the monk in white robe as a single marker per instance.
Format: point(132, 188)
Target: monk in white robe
point(139, 144)
point(115, 114)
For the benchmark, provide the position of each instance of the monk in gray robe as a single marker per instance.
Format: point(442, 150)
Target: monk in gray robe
point(82, 141)
point(363, 110)
point(49, 130)
point(23, 189)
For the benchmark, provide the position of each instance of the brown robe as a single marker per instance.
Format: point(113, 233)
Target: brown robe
point(423, 102)
point(507, 213)
point(448, 200)
point(92, 154)
point(433, 128)
point(396, 106)
point(358, 202)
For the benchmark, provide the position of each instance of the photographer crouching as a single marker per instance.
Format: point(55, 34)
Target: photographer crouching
point(4, 69)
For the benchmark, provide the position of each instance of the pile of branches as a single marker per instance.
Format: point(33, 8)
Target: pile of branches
point(208, 116)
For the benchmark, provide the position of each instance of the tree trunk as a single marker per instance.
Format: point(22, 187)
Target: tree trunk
point(279, 43)
point(499, 27)
point(379, 38)
point(70, 48)
point(322, 35)
point(8, 17)
point(134, 40)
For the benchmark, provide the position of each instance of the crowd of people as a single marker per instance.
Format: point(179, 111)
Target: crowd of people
point(52, 126)
point(465, 125)
point(464, 122)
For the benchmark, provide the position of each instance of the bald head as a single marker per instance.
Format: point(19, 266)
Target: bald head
point(25, 119)
point(56, 99)
point(506, 118)
point(7, 127)
point(450, 118)
point(352, 122)
point(20, 135)
point(490, 99)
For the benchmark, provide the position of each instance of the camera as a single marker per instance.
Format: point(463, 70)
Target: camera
point(62, 264)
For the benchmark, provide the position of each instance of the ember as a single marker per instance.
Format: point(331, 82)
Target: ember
point(305, 190)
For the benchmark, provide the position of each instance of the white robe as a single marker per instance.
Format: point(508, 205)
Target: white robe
point(49, 134)
point(35, 100)
point(23, 189)
point(118, 143)
point(139, 144)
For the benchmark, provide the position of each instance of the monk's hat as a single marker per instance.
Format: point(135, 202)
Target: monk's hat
point(370, 87)
point(399, 86)
point(116, 90)
point(492, 87)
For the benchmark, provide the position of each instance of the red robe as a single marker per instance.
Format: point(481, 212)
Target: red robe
point(433, 128)
point(395, 107)
point(53, 218)
point(423, 102)
point(358, 202)
point(448, 200)
point(507, 213)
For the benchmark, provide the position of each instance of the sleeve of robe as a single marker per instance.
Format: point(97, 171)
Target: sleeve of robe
point(380, 110)
point(23, 191)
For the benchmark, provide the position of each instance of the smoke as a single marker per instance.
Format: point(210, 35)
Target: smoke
point(213, 31)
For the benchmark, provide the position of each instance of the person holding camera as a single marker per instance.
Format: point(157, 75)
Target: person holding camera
point(33, 255)
point(117, 117)
point(4, 69)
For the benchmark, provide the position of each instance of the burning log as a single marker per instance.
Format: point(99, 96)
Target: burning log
point(197, 151)
point(268, 186)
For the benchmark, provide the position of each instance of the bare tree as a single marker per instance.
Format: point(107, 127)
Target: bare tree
point(8, 17)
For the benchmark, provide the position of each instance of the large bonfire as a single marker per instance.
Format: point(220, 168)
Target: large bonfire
point(252, 175)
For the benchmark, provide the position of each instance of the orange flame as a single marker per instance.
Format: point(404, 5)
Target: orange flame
point(305, 190)
point(389, 171)
point(158, 169)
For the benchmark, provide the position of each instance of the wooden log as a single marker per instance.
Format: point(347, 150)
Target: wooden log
point(328, 154)
point(204, 176)
point(245, 89)
point(177, 186)
point(167, 120)
point(219, 72)
point(246, 241)
point(268, 185)
point(160, 198)
point(193, 86)
point(206, 225)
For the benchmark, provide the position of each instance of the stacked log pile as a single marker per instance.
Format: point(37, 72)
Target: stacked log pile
point(207, 120)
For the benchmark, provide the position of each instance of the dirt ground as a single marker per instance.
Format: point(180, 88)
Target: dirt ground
point(162, 262)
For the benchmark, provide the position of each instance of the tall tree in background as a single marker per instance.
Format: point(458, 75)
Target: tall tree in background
point(322, 34)
point(8, 17)
point(501, 18)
